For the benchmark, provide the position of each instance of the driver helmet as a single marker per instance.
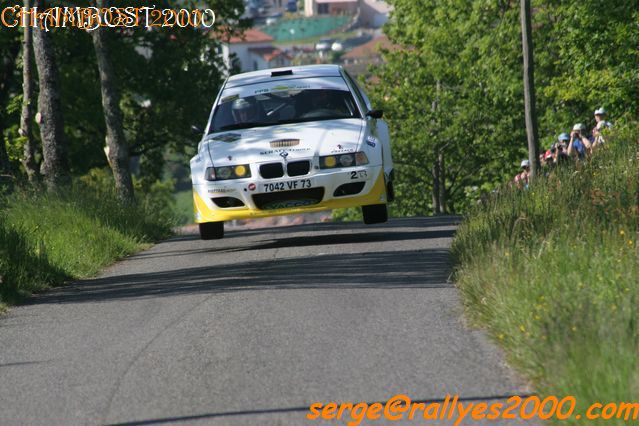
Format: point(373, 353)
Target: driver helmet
point(243, 110)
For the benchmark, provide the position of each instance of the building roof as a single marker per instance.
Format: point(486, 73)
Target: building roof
point(269, 52)
point(252, 35)
point(379, 6)
point(370, 49)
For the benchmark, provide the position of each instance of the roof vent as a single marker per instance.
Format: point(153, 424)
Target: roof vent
point(281, 73)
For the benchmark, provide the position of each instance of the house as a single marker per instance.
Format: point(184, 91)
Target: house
point(253, 51)
point(330, 7)
point(374, 13)
point(371, 13)
point(357, 60)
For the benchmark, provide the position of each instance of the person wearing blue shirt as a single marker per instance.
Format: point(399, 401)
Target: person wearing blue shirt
point(579, 144)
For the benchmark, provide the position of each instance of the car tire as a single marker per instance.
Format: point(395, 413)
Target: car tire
point(390, 191)
point(376, 213)
point(212, 230)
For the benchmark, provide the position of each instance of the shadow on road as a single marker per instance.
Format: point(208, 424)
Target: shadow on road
point(294, 410)
point(424, 268)
point(275, 242)
point(408, 269)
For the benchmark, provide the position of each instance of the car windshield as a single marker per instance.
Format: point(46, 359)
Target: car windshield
point(279, 105)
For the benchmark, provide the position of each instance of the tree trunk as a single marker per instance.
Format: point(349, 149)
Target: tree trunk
point(437, 204)
point(436, 180)
point(529, 88)
point(26, 118)
point(55, 165)
point(117, 149)
point(442, 183)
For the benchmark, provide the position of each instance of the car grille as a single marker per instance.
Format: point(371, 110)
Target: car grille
point(288, 199)
point(276, 170)
point(271, 170)
point(298, 168)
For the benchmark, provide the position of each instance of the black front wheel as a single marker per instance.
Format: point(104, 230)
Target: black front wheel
point(376, 213)
point(212, 230)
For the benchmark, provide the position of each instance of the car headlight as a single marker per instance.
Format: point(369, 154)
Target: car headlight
point(343, 160)
point(227, 172)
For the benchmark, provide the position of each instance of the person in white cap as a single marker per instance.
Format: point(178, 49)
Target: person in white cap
point(521, 179)
point(579, 144)
point(597, 131)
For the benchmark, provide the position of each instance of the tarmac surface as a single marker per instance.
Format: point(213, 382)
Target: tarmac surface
point(251, 330)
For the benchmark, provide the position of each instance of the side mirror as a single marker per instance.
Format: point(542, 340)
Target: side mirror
point(196, 130)
point(375, 113)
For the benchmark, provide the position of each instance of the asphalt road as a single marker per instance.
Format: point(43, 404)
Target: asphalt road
point(251, 330)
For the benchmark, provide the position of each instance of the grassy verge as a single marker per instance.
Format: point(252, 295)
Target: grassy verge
point(46, 240)
point(553, 273)
point(184, 207)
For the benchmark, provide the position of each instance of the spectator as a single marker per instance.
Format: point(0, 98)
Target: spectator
point(549, 162)
point(600, 116)
point(579, 144)
point(560, 149)
point(597, 132)
point(542, 159)
point(521, 179)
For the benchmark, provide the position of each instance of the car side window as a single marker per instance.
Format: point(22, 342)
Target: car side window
point(361, 97)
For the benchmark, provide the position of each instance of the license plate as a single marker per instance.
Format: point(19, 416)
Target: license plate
point(290, 185)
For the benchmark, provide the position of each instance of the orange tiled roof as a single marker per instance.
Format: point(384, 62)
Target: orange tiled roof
point(268, 53)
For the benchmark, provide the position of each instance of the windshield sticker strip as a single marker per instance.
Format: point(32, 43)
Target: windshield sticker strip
point(229, 99)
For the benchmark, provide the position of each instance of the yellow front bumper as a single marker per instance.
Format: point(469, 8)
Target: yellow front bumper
point(204, 213)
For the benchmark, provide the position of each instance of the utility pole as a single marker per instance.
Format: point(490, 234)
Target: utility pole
point(529, 88)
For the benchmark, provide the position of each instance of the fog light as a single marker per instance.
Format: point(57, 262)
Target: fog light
point(330, 161)
point(240, 171)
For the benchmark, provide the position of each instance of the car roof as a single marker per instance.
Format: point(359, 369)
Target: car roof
point(304, 71)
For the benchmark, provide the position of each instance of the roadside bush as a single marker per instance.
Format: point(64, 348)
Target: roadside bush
point(48, 239)
point(552, 273)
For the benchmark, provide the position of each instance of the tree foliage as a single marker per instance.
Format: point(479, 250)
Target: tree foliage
point(454, 86)
point(168, 79)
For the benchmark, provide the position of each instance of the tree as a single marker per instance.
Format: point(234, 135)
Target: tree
point(9, 49)
point(118, 153)
point(55, 165)
point(26, 117)
point(529, 88)
point(451, 93)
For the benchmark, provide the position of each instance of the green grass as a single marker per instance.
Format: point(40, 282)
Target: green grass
point(553, 273)
point(184, 207)
point(47, 240)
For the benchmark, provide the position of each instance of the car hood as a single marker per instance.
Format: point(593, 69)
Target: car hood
point(293, 141)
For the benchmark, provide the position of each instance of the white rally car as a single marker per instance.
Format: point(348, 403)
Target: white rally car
point(291, 140)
